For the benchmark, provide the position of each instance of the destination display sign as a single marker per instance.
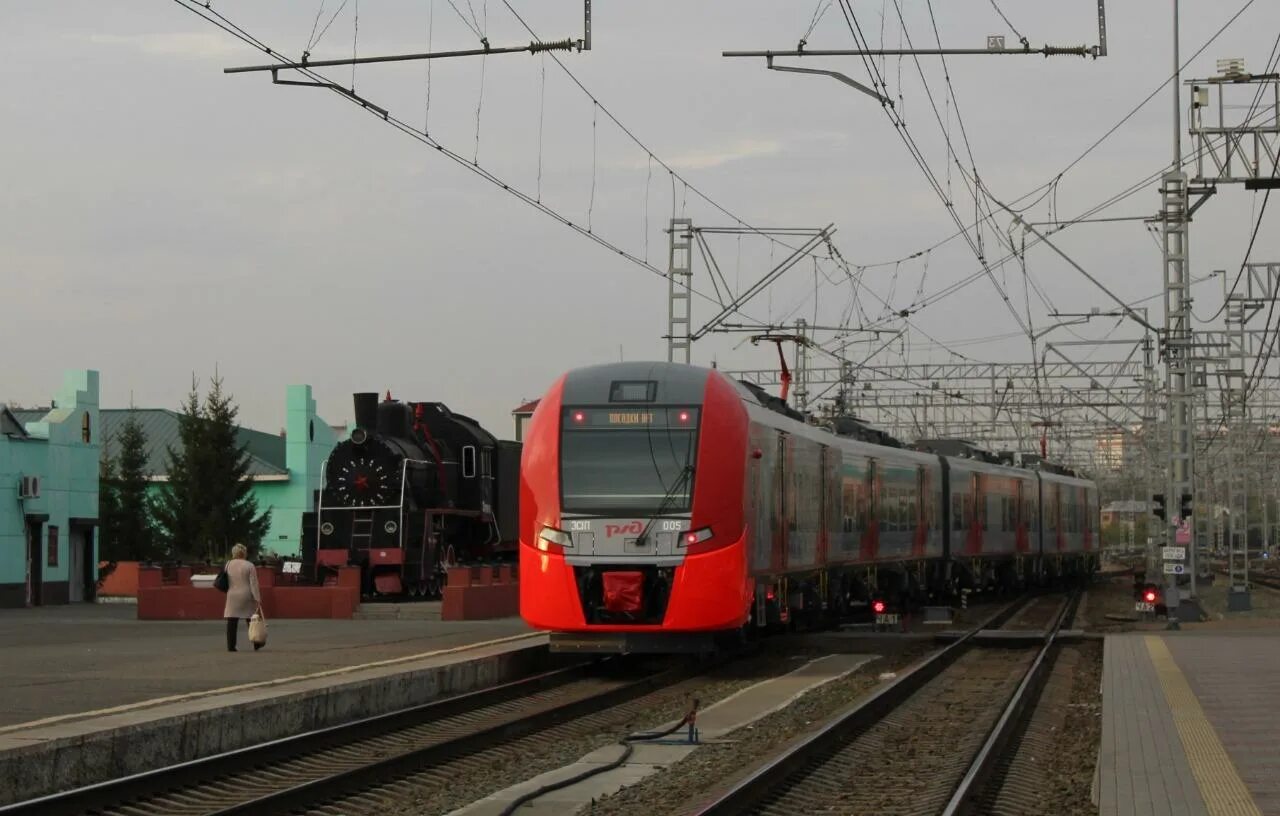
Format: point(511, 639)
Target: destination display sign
point(621, 418)
point(1173, 553)
point(632, 418)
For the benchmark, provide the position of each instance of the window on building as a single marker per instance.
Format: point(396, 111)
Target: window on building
point(53, 545)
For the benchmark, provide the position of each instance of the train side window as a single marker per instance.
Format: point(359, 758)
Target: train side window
point(469, 462)
point(486, 462)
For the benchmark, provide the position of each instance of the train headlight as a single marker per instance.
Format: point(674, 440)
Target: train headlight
point(359, 436)
point(326, 528)
point(695, 537)
point(551, 538)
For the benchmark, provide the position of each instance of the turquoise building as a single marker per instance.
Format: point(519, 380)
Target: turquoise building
point(284, 467)
point(307, 442)
point(49, 498)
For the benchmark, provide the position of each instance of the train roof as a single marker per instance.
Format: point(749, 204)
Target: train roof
point(684, 383)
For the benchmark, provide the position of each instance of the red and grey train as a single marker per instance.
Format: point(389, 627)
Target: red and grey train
point(659, 499)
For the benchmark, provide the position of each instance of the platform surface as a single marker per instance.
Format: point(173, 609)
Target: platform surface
point(81, 658)
point(1190, 724)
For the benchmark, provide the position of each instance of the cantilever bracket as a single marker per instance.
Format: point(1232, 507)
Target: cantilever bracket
point(332, 86)
point(836, 75)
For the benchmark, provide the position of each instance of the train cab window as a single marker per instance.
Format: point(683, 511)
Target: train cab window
point(629, 461)
point(469, 462)
point(633, 391)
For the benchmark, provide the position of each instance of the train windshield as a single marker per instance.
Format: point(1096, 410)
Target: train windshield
point(628, 461)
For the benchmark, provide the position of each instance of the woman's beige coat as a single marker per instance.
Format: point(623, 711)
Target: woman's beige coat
point(243, 596)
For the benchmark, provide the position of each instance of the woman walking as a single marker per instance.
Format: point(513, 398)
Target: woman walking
point(243, 597)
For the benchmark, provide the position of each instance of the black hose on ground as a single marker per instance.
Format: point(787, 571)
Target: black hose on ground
point(628, 743)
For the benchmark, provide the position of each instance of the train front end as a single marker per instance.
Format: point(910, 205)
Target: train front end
point(632, 534)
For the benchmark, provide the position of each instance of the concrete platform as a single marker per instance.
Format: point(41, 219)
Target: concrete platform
point(64, 660)
point(725, 716)
point(1190, 724)
point(92, 693)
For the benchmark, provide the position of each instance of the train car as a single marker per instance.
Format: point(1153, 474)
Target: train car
point(415, 488)
point(1072, 522)
point(661, 500)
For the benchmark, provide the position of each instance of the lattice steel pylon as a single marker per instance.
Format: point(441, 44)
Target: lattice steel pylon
point(1259, 285)
point(680, 290)
point(1179, 348)
point(1235, 409)
point(1241, 150)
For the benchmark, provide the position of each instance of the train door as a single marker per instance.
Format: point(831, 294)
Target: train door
point(1022, 540)
point(977, 514)
point(870, 506)
point(1055, 517)
point(920, 521)
point(829, 510)
point(759, 512)
point(780, 504)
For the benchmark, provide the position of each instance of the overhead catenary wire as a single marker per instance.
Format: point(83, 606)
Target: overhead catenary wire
point(900, 127)
point(1046, 186)
point(211, 15)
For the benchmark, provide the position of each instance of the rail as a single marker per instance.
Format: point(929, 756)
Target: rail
point(1019, 706)
point(757, 785)
point(520, 707)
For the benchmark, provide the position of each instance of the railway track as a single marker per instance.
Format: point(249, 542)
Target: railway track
point(933, 742)
point(320, 768)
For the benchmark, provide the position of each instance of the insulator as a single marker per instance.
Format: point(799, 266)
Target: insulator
point(558, 45)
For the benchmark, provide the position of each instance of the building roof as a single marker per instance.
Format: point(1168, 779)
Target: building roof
point(266, 451)
point(11, 425)
point(527, 408)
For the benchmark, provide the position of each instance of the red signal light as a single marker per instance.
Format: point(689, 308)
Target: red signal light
point(578, 416)
point(1149, 596)
point(878, 607)
point(684, 416)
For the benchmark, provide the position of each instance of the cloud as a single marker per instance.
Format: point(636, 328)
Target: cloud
point(743, 149)
point(192, 45)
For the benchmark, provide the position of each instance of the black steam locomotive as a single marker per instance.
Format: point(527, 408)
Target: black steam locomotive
point(415, 489)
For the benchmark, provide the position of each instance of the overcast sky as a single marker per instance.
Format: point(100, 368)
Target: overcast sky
point(159, 218)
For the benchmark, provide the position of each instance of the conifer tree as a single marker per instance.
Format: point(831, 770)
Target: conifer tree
point(207, 505)
point(179, 508)
point(109, 542)
point(136, 527)
point(234, 509)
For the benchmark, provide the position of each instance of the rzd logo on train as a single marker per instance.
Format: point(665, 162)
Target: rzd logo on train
point(634, 528)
